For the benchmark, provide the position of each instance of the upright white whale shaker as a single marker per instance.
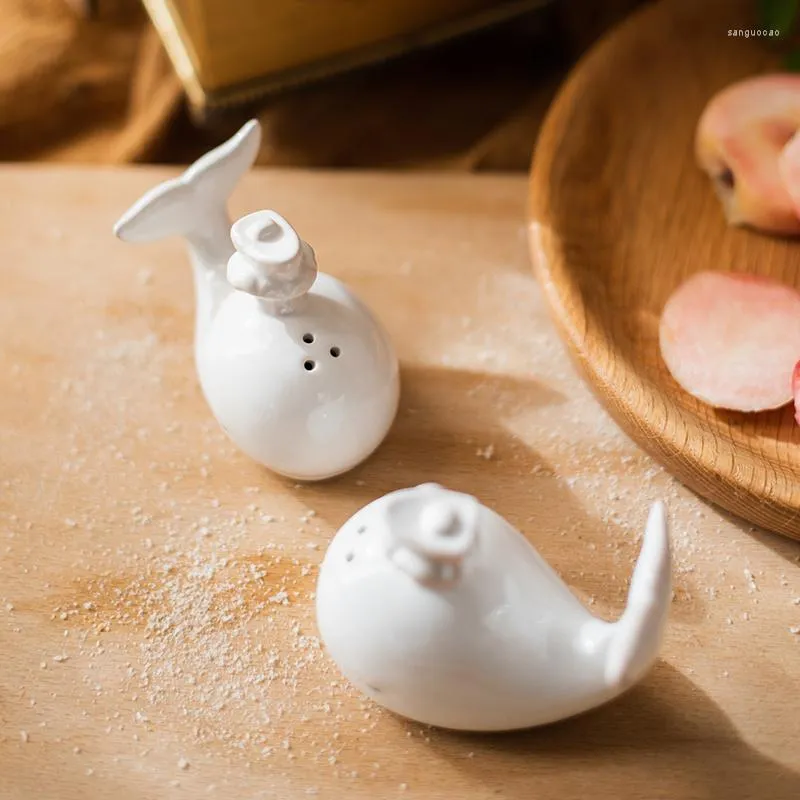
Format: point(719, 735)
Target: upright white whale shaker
point(294, 366)
point(438, 609)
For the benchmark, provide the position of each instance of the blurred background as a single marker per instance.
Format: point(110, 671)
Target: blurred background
point(445, 84)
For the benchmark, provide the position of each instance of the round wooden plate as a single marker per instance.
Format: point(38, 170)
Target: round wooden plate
point(620, 215)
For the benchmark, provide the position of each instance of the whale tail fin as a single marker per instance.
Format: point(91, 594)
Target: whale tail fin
point(195, 202)
point(636, 637)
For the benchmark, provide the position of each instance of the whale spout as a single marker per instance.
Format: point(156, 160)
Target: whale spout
point(194, 205)
point(271, 261)
point(433, 532)
point(635, 638)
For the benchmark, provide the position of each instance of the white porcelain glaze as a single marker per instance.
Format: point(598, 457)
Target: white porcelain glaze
point(294, 366)
point(439, 610)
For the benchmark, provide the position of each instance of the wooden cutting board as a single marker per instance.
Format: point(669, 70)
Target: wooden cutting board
point(621, 215)
point(156, 587)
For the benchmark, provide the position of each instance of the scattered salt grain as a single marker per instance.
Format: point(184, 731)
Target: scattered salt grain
point(183, 763)
point(23, 735)
point(794, 630)
point(485, 452)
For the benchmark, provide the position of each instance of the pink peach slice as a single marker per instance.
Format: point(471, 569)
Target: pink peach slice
point(789, 169)
point(732, 340)
point(796, 391)
point(739, 140)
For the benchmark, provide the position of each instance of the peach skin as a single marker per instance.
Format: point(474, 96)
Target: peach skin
point(796, 391)
point(789, 169)
point(740, 137)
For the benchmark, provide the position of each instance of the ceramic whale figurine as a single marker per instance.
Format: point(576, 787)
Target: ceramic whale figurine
point(296, 369)
point(438, 609)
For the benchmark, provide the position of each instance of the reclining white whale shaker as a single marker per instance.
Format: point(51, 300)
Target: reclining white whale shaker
point(293, 365)
point(438, 609)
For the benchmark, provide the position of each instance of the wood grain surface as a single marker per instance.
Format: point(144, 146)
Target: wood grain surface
point(621, 215)
point(157, 637)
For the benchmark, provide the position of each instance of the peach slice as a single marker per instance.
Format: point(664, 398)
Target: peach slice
point(732, 340)
point(739, 140)
point(796, 390)
point(789, 169)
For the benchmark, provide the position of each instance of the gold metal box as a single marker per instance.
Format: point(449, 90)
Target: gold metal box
point(232, 51)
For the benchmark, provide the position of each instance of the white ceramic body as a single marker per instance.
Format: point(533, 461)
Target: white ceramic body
point(305, 424)
point(506, 646)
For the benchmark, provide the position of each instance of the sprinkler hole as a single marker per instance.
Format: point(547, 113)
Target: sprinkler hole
point(350, 556)
point(308, 338)
point(335, 352)
point(309, 365)
point(361, 529)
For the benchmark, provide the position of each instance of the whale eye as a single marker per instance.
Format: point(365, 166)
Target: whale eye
point(335, 352)
point(308, 338)
point(309, 365)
